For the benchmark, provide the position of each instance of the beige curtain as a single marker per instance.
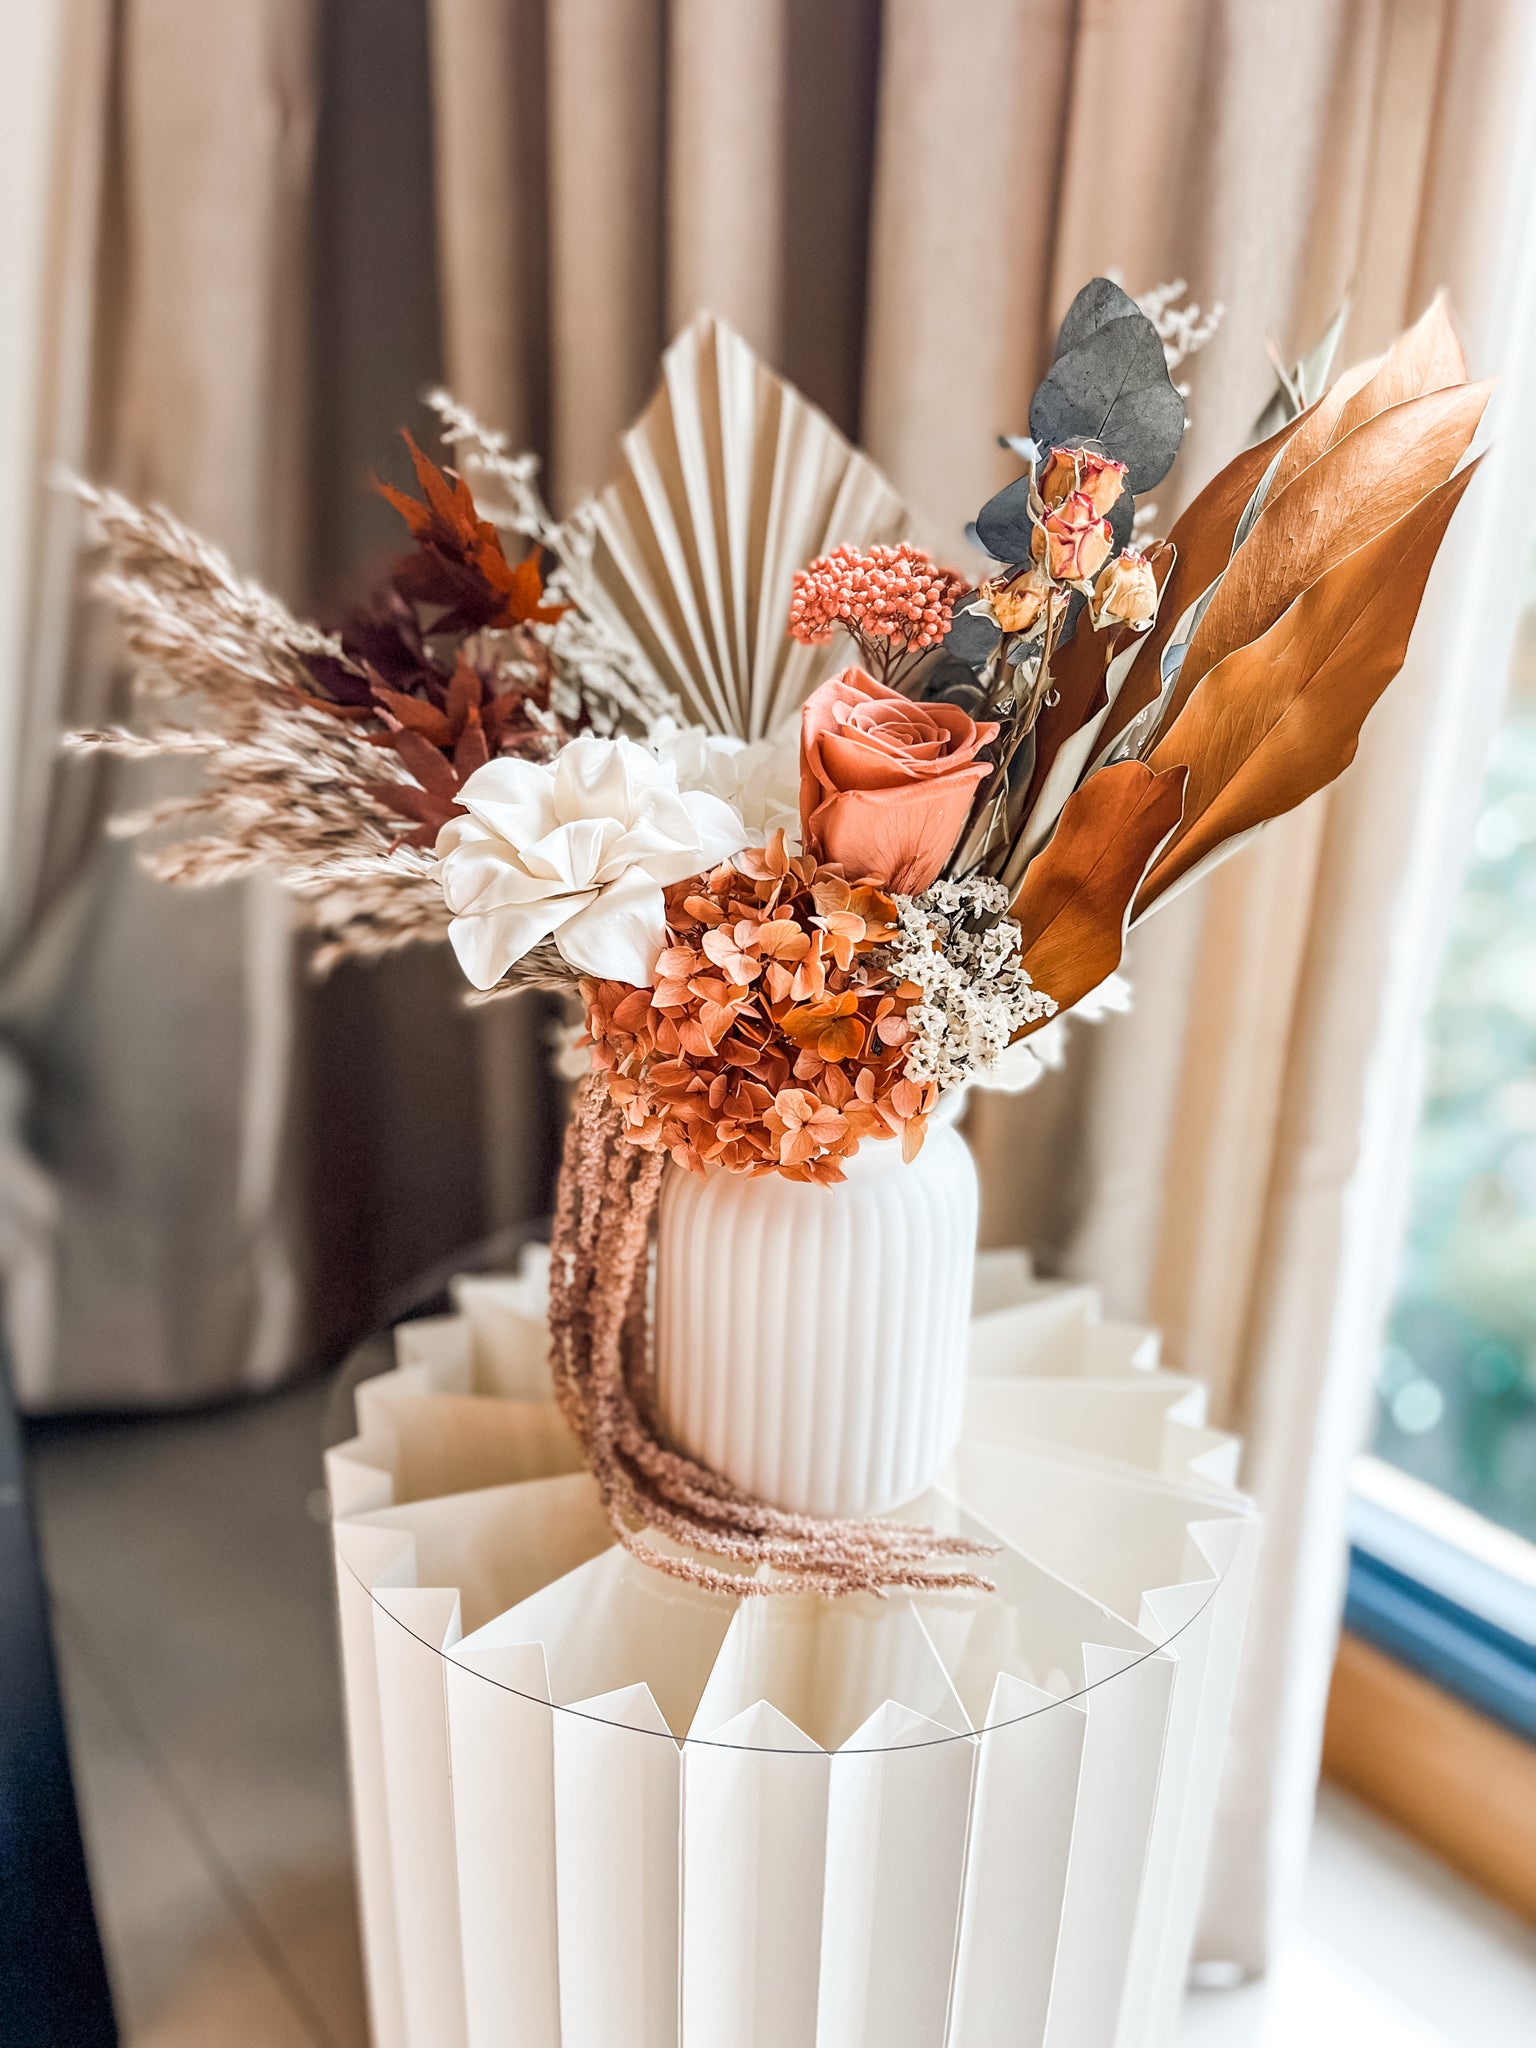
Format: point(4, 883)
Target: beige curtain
point(216, 1171)
point(894, 201)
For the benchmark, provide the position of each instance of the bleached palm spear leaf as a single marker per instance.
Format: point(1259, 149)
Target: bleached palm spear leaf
point(731, 481)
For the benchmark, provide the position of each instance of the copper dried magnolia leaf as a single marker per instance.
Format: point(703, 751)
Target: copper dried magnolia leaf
point(1078, 678)
point(1427, 357)
point(1281, 717)
point(1202, 544)
point(1358, 490)
point(1071, 908)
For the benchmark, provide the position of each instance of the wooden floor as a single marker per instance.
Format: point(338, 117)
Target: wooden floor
point(190, 1569)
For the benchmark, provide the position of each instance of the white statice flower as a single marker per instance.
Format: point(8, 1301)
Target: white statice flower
point(1020, 1066)
point(759, 778)
point(963, 953)
point(578, 850)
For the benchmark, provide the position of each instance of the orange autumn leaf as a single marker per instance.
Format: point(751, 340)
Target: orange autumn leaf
point(831, 1028)
point(842, 1039)
point(1202, 543)
point(1427, 357)
point(1353, 492)
point(878, 912)
point(1071, 907)
point(461, 566)
point(1281, 717)
point(782, 939)
point(1078, 673)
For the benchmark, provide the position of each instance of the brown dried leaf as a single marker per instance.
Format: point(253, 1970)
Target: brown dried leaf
point(1281, 717)
point(425, 762)
point(1078, 673)
point(1356, 491)
point(471, 750)
point(1427, 357)
point(1072, 905)
point(1202, 540)
point(416, 715)
point(465, 691)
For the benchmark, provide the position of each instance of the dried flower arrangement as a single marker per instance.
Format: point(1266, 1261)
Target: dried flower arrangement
point(625, 755)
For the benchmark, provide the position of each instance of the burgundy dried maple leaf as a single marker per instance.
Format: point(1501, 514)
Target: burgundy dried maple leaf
point(459, 565)
point(407, 672)
point(441, 748)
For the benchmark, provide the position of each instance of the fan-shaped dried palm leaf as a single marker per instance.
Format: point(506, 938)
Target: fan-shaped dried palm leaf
point(1281, 717)
point(1076, 895)
point(731, 482)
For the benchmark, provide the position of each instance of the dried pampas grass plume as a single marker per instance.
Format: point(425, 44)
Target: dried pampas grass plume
point(283, 787)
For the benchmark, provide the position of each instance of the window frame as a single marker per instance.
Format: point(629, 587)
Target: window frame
point(1444, 1591)
point(1432, 1712)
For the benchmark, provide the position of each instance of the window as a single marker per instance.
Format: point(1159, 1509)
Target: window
point(1457, 1382)
point(1444, 1565)
point(1443, 1551)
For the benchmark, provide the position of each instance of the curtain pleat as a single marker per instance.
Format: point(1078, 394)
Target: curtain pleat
point(959, 239)
point(605, 207)
point(491, 145)
point(174, 1183)
point(725, 167)
point(1332, 1218)
point(1127, 168)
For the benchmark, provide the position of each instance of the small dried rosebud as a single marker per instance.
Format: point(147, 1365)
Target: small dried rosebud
point(1126, 593)
point(1072, 542)
point(1018, 603)
point(1080, 470)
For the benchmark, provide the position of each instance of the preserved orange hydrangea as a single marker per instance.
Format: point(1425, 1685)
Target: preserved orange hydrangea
point(775, 1038)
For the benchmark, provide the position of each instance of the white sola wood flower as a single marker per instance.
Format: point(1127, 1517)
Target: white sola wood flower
point(577, 850)
point(760, 778)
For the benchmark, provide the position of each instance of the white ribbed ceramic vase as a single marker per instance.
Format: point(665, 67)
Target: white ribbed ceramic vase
point(811, 1341)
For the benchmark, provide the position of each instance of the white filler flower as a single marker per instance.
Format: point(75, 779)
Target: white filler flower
point(578, 850)
point(761, 778)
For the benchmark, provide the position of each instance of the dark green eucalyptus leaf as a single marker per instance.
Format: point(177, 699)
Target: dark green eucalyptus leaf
point(971, 638)
point(1003, 525)
point(1114, 389)
point(1100, 301)
point(1122, 517)
point(951, 681)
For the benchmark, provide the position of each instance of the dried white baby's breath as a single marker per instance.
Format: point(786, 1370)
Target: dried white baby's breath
point(1183, 330)
point(963, 953)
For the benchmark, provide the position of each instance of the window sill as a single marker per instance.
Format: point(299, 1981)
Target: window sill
point(1460, 1781)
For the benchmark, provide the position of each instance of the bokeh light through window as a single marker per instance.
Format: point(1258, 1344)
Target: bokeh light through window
point(1456, 1383)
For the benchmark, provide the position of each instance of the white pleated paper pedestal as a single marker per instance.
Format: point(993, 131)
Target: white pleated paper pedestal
point(597, 1808)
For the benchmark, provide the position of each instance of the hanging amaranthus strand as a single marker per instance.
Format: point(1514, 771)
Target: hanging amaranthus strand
point(598, 1271)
